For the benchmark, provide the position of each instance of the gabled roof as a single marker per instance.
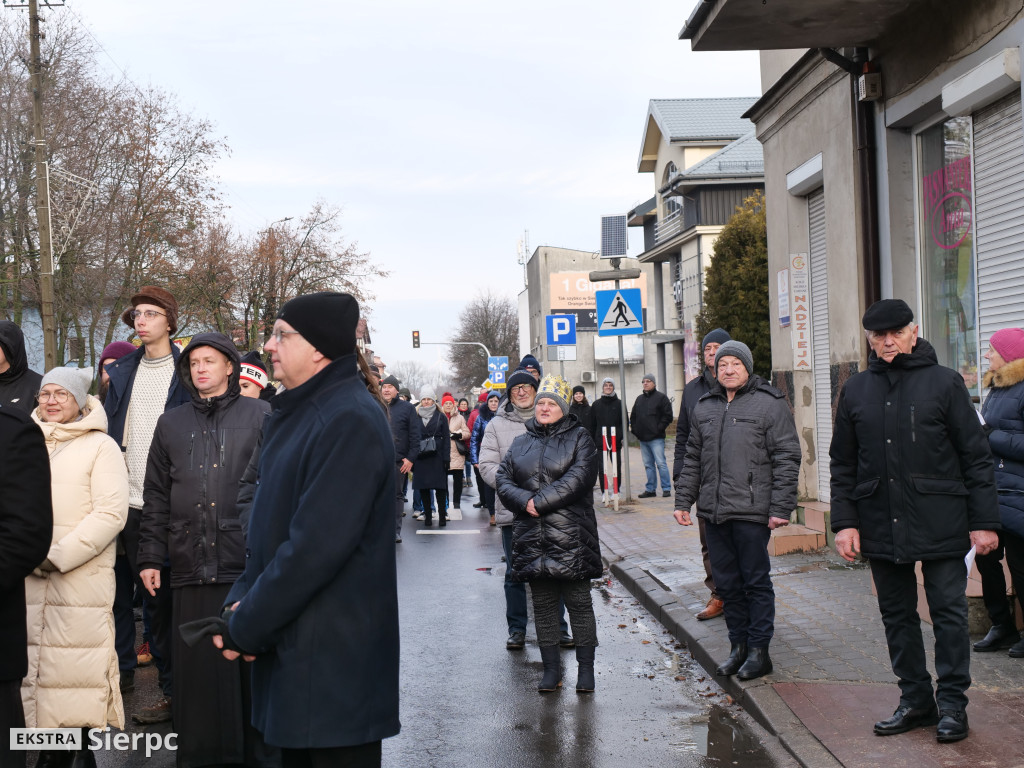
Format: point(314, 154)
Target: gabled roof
point(742, 159)
point(697, 121)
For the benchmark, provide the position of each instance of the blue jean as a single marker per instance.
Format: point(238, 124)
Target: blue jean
point(515, 593)
point(653, 452)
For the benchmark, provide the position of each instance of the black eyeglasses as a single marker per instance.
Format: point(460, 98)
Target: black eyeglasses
point(149, 314)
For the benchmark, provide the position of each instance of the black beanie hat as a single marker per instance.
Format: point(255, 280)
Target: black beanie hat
point(579, 388)
point(717, 336)
point(326, 319)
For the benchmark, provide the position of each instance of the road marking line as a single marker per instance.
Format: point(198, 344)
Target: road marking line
point(444, 533)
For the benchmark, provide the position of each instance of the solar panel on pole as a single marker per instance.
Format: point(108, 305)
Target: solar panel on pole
point(614, 237)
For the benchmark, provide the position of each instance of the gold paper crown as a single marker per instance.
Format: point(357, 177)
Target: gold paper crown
point(553, 384)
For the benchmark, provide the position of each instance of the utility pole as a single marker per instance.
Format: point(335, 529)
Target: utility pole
point(46, 311)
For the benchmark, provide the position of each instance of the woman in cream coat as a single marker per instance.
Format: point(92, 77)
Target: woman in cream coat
point(73, 676)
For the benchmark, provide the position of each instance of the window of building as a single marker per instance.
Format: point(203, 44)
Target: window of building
point(946, 240)
point(672, 203)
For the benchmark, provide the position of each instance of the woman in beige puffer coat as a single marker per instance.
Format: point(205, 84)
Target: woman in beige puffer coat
point(73, 678)
point(458, 431)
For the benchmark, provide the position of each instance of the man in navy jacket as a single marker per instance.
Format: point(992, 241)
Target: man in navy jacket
point(317, 605)
point(141, 386)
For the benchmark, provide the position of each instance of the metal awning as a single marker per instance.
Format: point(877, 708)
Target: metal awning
point(751, 25)
point(665, 335)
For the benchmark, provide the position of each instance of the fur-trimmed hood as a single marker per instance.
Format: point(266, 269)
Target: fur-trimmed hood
point(1010, 374)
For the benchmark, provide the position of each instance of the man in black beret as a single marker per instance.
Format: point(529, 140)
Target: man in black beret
point(912, 481)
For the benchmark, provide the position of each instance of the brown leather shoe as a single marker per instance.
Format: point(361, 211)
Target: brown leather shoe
point(712, 610)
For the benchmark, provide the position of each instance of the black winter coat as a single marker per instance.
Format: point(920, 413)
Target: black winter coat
point(406, 428)
point(911, 466)
point(692, 392)
point(556, 466)
point(432, 471)
point(1003, 411)
point(199, 452)
point(319, 596)
point(651, 415)
point(584, 413)
point(18, 385)
point(26, 527)
point(607, 412)
point(742, 458)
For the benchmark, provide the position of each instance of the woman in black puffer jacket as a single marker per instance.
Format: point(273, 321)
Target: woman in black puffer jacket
point(1003, 412)
point(547, 481)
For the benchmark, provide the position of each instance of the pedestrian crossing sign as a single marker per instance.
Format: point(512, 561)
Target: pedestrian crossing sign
point(619, 312)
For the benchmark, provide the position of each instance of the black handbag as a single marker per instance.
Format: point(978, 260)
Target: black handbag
point(428, 447)
point(461, 447)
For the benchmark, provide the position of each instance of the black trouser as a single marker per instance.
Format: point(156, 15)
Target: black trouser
point(456, 487)
point(993, 586)
point(12, 715)
point(945, 586)
point(547, 595)
point(486, 494)
point(1014, 560)
point(738, 550)
point(400, 481)
point(441, 496)
point(359, 756)
point(159, 608)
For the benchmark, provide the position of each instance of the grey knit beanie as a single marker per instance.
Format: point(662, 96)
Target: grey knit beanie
point(738, 350)
point(650, 377)
point(71, 380)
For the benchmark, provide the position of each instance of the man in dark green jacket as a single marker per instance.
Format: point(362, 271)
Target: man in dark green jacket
point(912, 480)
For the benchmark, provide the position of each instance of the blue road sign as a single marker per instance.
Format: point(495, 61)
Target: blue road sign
point(561, 329)
point(619, 312)
point(497, 368)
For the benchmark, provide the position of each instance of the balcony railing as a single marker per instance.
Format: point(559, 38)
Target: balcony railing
point(668, 227)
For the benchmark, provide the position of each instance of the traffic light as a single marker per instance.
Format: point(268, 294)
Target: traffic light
point(415, 339)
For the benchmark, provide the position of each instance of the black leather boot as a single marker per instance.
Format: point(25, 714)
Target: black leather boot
point(55, 758)
point(85, 757)
point(442, 518)
point(585, 677)
point(1000, 636)
point(428, 518)
point(737, 655)
point(552, 679)
point(758, 664)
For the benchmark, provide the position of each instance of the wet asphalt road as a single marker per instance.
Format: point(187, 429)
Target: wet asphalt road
point(467, 701)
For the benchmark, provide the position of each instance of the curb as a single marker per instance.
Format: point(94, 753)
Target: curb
point(757, 697)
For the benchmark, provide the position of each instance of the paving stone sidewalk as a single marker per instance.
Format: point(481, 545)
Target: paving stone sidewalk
point(832, 678)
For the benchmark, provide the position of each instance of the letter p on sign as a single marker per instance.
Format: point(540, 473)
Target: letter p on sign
point(561, 329)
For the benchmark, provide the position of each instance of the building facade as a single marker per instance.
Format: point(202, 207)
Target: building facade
point(558, 283)
point(907, 182)
point(705, 161)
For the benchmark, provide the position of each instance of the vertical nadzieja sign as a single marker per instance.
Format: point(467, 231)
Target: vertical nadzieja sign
point(800, 304)
point(946, 194)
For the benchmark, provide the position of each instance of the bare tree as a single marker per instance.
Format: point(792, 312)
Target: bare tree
point(287, 259)
point(491, 320)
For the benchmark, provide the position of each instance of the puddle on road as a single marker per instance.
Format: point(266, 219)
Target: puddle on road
point(706, 720)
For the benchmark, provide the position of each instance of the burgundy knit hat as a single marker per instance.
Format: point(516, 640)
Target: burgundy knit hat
point(115, 350)
point(1009, 343)
point(161, 297)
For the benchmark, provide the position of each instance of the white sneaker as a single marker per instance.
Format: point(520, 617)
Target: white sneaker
point(418, 516)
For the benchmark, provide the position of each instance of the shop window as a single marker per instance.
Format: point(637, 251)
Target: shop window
point(946, 237)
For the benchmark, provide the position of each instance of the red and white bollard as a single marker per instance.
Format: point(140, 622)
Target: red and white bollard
point(611, 474)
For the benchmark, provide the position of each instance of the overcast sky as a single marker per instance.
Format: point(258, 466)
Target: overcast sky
point(444, 129)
